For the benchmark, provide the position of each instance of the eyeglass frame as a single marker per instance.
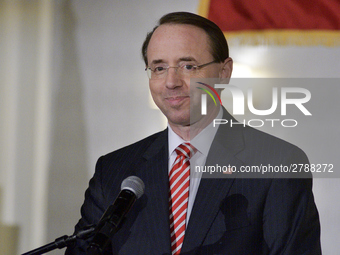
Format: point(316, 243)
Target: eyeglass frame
point(167, 68)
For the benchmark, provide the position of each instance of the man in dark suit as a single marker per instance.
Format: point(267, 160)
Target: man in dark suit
point(230, 215)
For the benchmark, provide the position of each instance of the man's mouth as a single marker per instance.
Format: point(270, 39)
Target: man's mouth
point(174, 100)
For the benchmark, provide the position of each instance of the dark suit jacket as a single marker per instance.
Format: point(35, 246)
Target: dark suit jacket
point(230, 215)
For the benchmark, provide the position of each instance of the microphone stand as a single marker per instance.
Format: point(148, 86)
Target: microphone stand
point(63, 241)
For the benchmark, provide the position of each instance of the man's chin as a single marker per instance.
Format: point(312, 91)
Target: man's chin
point(184, 122)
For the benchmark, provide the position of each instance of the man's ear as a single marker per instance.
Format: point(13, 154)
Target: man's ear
point(227, 69)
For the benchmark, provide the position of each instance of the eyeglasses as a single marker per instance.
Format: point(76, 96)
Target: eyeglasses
point(160, 71)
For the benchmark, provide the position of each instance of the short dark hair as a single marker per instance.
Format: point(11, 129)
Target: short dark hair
point(218, 43)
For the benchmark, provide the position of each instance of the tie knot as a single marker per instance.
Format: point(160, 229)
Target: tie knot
point(186, 150)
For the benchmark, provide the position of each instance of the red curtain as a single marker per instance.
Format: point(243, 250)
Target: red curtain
point(234, 17)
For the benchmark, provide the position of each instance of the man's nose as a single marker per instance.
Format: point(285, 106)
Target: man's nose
point(173, 78)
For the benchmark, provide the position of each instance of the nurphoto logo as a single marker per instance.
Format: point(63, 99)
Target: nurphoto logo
point(281, 97)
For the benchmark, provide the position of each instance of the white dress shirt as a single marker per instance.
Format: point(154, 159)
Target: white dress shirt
point(202, 142)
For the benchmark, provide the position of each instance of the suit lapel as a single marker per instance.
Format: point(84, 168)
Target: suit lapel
point(155, 176)
point(227, 143)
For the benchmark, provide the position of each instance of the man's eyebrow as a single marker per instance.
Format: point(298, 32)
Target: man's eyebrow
point(187, 59)
point(157, 61)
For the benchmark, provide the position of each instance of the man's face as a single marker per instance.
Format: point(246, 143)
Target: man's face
point(174, 45)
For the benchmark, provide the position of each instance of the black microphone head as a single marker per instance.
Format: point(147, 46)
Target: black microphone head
point(134, 184)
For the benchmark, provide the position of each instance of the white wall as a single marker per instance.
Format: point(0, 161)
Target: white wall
point(99, 101)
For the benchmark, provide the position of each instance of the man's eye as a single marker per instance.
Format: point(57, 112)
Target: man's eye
point(159, 69)
point(189, 67)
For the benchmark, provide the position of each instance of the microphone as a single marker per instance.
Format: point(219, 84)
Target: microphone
point(132, 188)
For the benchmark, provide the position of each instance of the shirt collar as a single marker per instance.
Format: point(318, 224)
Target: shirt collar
point(174, 140)
point(202, 142)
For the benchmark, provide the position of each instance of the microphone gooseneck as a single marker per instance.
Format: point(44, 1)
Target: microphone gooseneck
point(132, 188)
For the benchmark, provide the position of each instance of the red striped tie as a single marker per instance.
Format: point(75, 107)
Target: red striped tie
point(179, 194)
